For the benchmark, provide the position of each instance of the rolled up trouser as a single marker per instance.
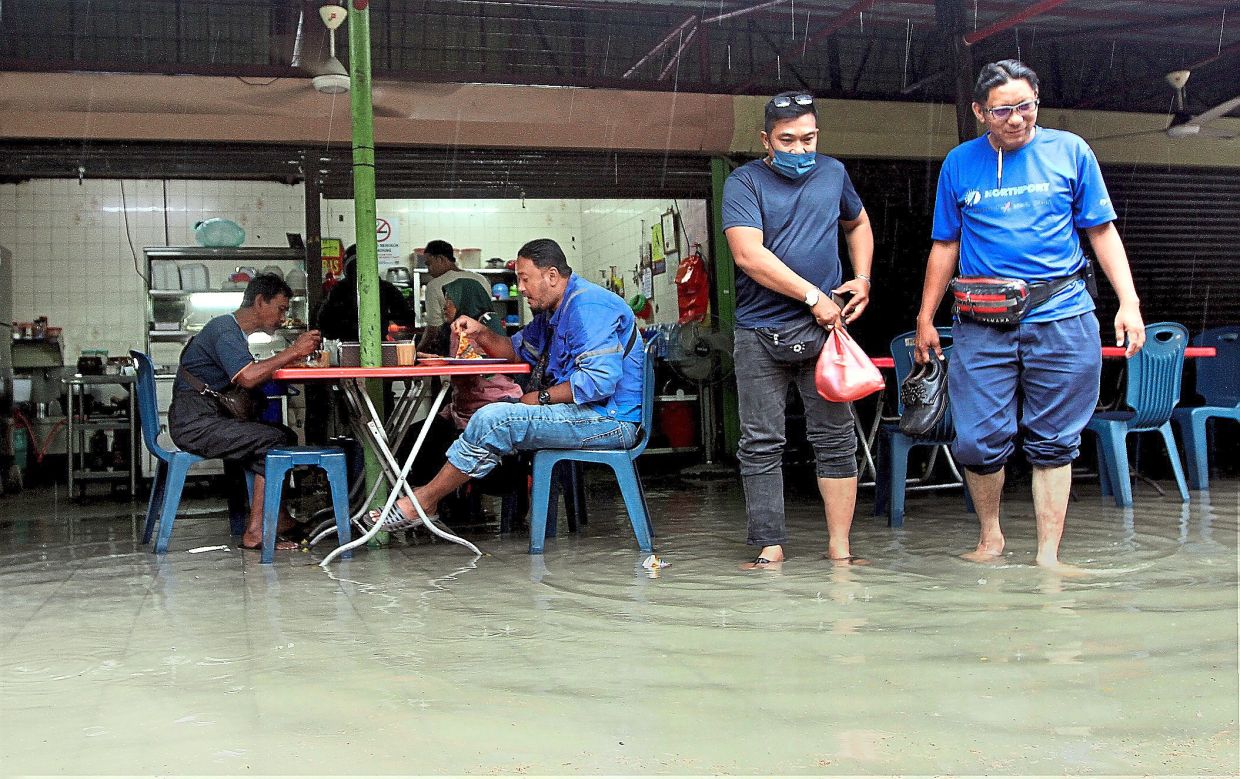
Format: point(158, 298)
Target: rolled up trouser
point(1040, 378)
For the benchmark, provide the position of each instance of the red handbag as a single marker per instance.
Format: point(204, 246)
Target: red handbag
point(845, 372)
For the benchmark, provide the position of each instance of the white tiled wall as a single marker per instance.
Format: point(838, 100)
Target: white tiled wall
point(72, 253)
point(72, 259)
point(595, 234)
point(612, 231)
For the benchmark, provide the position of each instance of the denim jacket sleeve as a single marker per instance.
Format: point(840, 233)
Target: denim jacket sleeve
point(594, 341)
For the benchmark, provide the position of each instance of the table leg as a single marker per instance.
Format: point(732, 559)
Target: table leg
point(379, 440)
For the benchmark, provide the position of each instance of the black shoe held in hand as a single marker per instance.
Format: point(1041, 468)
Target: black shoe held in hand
point(923, 394)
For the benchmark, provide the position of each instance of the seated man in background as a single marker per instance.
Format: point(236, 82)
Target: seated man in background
point(586, 384)
point(338, 315)
point(218, 357)
point(441, 265)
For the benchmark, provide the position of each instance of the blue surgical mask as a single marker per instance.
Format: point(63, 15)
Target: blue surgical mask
point(793, 165)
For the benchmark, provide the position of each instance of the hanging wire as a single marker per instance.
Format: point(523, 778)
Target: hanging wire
point(805, 35)
point(908, 45)
point(792, 19)
point(1221, 22)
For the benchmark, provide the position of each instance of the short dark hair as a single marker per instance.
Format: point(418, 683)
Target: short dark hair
point(266, 286)
point(350, 252)
point(546, 253)
point(440, 249)
point(997, 74)
point(776, 113)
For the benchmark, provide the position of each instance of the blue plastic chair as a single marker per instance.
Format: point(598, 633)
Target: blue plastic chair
point(620, 460)
point(1218, 381)
point(891, 481)
point(283, 459)
point(1154, 377)
point(169, 479)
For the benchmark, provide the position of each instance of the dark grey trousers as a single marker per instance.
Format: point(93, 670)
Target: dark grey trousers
point(762, 389)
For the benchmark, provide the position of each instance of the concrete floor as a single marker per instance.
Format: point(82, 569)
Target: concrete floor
point(413, 660)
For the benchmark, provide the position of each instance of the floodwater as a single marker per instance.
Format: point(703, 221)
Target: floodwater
point(413, 660)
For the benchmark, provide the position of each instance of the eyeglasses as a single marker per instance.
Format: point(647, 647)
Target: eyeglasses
point(1002, 112)
point(783, 101)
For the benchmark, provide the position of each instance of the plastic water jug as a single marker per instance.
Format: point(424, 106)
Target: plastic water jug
point(219, 232)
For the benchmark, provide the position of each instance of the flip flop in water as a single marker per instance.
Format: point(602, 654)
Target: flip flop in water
point(762, 564)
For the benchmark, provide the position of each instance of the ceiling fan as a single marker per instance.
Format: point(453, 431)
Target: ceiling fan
point(327, 75)
point(1183, 124)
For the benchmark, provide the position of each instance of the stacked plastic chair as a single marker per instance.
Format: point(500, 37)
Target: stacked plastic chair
point(1154, 377)
point(1218, 381)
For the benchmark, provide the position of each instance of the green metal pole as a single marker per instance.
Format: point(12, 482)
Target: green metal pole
point(364, 214)
point(725, 296)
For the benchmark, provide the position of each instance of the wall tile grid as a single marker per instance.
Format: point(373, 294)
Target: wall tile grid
point(595, 234)
point(73, 261)
point(71, 245)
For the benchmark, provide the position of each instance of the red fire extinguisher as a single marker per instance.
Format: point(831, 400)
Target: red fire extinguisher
point(692, 287)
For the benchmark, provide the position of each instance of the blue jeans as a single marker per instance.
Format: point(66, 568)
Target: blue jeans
point(1045, 373)
point(762, 391)
point(504, 428)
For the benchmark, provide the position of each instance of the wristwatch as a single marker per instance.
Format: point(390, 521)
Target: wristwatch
point(811, 297)
point(544, 397)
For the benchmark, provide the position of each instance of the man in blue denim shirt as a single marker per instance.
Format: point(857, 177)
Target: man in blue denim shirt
point(585, 386)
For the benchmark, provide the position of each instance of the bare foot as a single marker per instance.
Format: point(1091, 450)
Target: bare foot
point(281, 544)
point(1063, 569)
point(848, 560)
point(771, 557)
point(988, 550)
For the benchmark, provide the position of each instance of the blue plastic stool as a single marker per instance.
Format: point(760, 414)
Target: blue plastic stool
point(279, 462)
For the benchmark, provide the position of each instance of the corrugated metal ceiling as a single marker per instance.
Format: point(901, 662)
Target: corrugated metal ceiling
point(1109, 54)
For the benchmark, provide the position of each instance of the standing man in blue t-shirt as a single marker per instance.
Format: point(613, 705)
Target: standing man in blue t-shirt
point(782, 215)
point(1009, 205)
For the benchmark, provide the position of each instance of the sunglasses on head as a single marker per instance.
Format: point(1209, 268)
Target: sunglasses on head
point(783, 101)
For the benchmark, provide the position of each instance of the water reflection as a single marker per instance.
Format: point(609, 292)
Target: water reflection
point(415, 655)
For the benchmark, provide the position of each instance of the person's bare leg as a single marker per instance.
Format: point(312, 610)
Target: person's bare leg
point(839, 500)
point(1051, 490)
point(987, 492)
point(253, 535)
point(447, 481)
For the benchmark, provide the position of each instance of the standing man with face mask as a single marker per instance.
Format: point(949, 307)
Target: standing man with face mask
point(782, 215)
point(1008, 207)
